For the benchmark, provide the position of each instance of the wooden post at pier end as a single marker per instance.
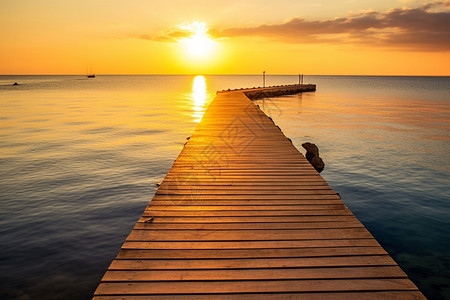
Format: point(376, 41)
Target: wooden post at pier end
point(264, 79)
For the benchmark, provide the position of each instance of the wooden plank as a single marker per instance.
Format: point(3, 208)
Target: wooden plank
point(248, 253)
point(246, 226)
point(265, 286)
point(246, 213)
point(178, 186)
point(257, 274)
point(251, 197)
point(250, 244)
point(246, 192)
point(243, 215)
point(247, 202)
point(228, 183)
point(234, 173)
point(372, 295)
point(265, 179)
point(244, 207)
point(254, 263)
point(245, 219)
point(246, 235)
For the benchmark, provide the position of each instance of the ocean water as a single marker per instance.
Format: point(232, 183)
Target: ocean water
point(80, 159)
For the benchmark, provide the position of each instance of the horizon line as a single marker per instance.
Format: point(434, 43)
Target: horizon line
point(254, 74)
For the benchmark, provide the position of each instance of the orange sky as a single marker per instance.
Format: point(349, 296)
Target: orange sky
point(365, 37)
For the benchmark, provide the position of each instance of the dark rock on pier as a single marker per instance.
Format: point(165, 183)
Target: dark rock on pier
point(312, 155)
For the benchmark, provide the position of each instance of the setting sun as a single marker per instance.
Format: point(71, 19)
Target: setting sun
point(199, 44)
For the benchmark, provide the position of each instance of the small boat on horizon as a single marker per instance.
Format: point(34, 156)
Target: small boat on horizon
point(90, 74)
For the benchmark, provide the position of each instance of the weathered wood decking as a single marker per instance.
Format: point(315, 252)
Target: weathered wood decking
point(243, 215)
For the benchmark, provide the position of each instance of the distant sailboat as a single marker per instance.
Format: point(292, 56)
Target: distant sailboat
point(90, 74)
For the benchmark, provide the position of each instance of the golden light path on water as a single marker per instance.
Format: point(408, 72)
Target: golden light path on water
point(199, 96)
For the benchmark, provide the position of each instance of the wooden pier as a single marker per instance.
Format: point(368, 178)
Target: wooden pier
point(243, 215)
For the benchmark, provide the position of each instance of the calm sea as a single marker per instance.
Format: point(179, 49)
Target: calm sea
point(80, 159)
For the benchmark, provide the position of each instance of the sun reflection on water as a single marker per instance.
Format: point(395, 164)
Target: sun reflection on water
point(199, 96)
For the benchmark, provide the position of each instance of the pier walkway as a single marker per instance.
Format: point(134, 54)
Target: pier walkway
point(243, 215)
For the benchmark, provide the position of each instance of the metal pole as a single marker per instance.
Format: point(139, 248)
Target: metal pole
point(264, 79)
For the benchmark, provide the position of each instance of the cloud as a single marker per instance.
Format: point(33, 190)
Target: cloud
point(179, 32)
point(168, 35)
point(423, 28)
